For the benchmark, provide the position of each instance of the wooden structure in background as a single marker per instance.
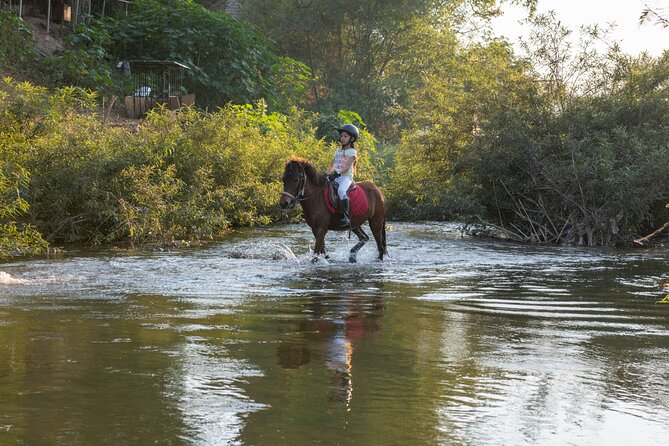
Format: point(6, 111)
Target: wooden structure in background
point(63, 12)
point(155, 82)
point(72, 11)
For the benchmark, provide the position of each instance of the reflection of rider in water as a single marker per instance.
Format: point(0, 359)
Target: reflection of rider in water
point(339, 354)
point(354, 322)
point(340, 322)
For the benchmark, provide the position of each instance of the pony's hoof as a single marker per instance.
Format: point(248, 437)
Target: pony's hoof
point(314, 259)
point(352, 259)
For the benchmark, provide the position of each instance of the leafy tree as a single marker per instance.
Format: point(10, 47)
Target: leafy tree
point(592, 174)
point(18, 54)
point(656, 14)
point(546, 158)
point(229, 60)
point(85, 61)
point(367, 55)
point(446, 117)
point(569, 66)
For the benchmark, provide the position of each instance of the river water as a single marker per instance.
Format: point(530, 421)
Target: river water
point(451, 341)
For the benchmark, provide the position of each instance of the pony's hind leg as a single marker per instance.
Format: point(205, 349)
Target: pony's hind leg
point(363, 238)
point(378, 227)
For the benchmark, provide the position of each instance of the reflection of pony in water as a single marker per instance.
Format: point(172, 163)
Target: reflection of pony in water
point(302, 183)
point(333, 326)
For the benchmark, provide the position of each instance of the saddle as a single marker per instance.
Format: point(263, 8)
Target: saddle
point(356, 195)
point(333, 195)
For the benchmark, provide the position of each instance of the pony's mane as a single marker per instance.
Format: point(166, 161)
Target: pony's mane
point(312, 173)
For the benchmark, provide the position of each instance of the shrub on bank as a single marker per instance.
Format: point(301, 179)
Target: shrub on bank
point(18, 54)
point(488, 141)
point(178, 175)
point(16, 237)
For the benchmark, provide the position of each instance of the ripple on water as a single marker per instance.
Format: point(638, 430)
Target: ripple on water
point(211, 395)
point(501, 343)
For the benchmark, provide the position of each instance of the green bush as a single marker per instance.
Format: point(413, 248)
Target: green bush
point(494, 144)
point(18, 54)
point(84, 62)
point(179, 175)
point(593, 174)
point(16, 237)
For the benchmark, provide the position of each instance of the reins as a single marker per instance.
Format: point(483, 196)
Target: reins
point(312, 195)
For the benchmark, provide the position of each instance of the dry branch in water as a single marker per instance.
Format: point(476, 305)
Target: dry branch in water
point(655, 233)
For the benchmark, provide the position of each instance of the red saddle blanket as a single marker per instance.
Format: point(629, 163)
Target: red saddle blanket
point(358, 199)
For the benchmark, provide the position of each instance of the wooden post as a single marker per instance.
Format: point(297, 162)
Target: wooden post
point(48, 19)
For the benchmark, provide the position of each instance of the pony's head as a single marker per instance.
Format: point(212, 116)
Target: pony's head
point(294, 181)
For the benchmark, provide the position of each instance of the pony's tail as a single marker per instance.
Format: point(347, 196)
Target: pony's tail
point(385, 247)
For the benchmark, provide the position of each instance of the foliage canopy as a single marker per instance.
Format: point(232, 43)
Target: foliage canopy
point(366, 55)
point(536, 153)
point(229, 60)
point(567, 145)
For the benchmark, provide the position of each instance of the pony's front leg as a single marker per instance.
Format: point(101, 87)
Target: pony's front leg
point(319, 234)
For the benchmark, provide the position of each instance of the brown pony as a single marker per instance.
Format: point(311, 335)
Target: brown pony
point(304, 184)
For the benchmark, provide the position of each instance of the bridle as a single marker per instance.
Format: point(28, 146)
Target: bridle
point(302, 183)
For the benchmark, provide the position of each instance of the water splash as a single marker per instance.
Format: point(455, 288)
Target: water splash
point(6, 279)
point(256, 250)
point(287, 252)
